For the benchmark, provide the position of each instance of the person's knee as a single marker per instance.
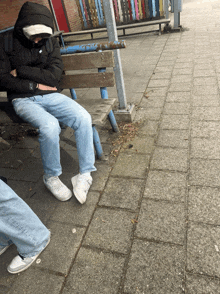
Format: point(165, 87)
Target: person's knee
point(86, 118)
point(50, 129)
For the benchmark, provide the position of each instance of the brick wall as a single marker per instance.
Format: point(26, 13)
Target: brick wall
point(72, 15)
point(10, 8)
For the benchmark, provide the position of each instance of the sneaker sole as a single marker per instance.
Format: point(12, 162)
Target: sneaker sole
point(28, 265)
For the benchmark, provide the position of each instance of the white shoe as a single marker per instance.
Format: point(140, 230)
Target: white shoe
point(19, 263)
point(81, 184)
point(57, 188)
point(3, 249)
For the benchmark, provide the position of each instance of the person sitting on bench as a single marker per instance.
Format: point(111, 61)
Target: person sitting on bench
point(20, 226)
point(30, 70)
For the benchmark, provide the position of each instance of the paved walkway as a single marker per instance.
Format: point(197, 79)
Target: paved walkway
point(151, 223)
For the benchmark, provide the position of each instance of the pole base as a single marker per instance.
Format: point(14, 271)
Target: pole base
point(126, 115)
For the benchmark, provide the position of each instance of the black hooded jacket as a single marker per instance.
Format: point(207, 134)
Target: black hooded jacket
point(33, 62)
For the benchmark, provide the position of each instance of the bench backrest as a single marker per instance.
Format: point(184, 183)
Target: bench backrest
point(87, 61)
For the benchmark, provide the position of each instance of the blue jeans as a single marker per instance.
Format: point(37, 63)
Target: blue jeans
point(20, 225)
point(44, 112)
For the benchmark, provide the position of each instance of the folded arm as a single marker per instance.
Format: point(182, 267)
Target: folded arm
point(49, 75)
point(26, 79)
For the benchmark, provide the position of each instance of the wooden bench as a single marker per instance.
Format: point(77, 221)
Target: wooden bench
point(121, 27)
point(98, 108)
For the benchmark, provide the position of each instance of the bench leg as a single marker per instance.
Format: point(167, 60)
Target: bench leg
point(104, 95)
point(97, 143)
point(113, 121)
point(73, 94)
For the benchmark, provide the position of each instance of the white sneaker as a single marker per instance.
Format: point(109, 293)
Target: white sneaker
point(81, 184)
point(3, 249)
point(19, 263)
point(57, 188)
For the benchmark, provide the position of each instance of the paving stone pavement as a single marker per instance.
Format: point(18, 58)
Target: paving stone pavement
point(151, 222)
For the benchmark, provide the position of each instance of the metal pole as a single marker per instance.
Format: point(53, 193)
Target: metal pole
point(176, 14)
point(54, 15)
point(166, 8)
point(112, 34)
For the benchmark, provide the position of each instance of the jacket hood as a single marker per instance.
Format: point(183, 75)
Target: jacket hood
point(32, 14)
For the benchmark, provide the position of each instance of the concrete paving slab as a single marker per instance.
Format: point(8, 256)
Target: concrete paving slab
point(204, 102)
point(203, 249)
point(27, 173)
point(204, 172)
point(204, 205)
point(156, 91)
point(22, 188)
point(205, 148)
point(134, 165)
point(69, 160)
point(197, 284)
point(152, 101)
point(100, 176)
point(183, 65)
point(204, 73)
point(14, 159)
point(177, 108)
point(44, 283)
point(123, 193)
point(161, 221)
point(175, 122)
point(152, 113)
point(203, 66)
point(160, 83)
point(180, 87)
point(64, 244)
point(162, 69)
point(28, 143)
point(169, 159)
point(163, 185)
point(205, 129)
point(161, 75)
point(110, 230)
point(181, 78)
point(139, 145)
point(39, 198)
point(148, 128)
point(173, 138)
point(205, 90)
point(155, 268)
point(95, 272)
point(178, 97)
point(76, 213)
point(184, 71)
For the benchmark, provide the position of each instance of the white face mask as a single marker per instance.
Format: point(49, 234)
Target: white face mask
point(37, 30)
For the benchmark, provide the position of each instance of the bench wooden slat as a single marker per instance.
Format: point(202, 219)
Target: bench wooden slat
point(81, 61)
point(98, 108)
point(91, 80)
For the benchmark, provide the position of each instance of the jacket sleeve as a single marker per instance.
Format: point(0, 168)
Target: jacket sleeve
point(49, 75)
point(9, 82)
